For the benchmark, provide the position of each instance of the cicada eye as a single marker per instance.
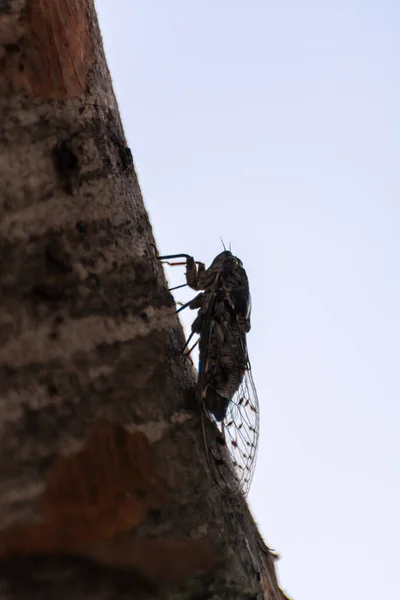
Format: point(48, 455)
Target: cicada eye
point(230, 262)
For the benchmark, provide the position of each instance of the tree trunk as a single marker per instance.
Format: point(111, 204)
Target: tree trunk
point(104, 490)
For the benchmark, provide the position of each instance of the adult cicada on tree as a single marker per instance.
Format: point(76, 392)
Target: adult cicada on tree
point(226, 392)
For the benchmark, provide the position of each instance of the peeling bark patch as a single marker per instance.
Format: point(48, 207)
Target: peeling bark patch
point(106, 488)
point(56, 49)
point(67, 167)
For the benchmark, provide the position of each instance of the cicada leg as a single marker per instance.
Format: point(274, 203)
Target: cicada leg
point(177, 287)
point(187, 343)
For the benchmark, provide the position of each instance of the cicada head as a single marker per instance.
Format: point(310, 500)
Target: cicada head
point(225, 262)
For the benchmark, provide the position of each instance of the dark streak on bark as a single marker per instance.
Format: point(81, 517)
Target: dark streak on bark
point(5, 7)
point(67, 167)
point(47, 272)
point(60, 577)
point(126, 156)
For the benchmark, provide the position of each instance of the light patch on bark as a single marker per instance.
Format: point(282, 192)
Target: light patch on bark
point(200, 531)
point(43, 216)
point(153, 430)
point(181, 417)
point(18, 501)
point(156, 430)
point(81, 335)
point(21, 492)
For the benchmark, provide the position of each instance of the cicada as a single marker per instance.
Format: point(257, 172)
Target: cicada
point(227, 394)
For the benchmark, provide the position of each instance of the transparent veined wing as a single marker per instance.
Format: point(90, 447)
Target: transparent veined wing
point(229, 403)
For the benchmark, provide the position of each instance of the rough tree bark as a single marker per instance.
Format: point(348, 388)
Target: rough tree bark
point(104, 490)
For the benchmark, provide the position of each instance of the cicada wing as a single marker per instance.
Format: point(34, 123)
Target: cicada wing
point(241, 431)
point(229, 404)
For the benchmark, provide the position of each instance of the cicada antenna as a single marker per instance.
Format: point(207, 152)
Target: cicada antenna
point(222, 241)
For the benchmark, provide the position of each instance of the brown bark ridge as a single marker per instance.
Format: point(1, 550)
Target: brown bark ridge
point(104, 490)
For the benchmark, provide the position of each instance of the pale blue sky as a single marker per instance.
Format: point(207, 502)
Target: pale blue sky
point(276, 126)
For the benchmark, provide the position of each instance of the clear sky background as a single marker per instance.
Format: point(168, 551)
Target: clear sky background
point(275, 124)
